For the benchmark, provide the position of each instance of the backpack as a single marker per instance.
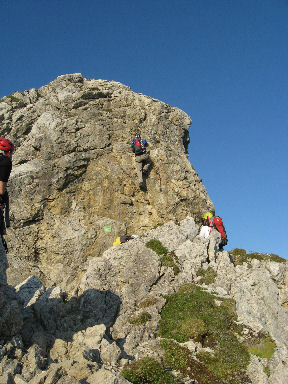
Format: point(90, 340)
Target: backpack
point(218, 224)
point(138, 147)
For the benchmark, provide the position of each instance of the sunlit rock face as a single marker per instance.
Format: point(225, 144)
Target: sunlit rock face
point(74, 186)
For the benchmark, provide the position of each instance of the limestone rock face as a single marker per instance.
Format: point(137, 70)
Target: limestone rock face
point(11, 318)
point(82, 310)
point(74, 175)
point(114, 316)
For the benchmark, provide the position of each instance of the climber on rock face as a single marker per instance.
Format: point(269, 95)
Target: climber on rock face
point(210, 222)
point(6, 151)
point(138, 147)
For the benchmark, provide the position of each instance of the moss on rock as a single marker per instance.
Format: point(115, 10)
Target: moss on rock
point(157, 247)
point(262, 346)
point(148, 371)
point(140, 319)
point(240, 256)
point(208, 275)
point(192, 313)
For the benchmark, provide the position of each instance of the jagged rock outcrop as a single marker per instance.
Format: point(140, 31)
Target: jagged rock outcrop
point(74, 175)
point(116, 314)
point(167, 304)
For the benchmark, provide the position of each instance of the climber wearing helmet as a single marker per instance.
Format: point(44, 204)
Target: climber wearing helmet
point(6, 151)
point(138, 147)
point(210, 222)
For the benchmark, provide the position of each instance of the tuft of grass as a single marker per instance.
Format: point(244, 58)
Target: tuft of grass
point(141, 319)
point(240, 256)
point(168, 260)
point(267, 371)
point(262, 346)
point(239, 252)
point(192, 313)
point(208, 275)
point(148, 302)
point(180, 359)
point(14, 99)
point(147, 371)
point(157, 247)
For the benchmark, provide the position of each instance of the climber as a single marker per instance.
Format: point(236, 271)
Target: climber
point(218, 224)
point(210, 222)
point(206, 228)
point(124, 239)
point(138, 147)
point(6, 151)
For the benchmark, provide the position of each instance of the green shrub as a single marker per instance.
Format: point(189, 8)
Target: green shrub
point(141, 319)
point(147, 371)
point(208, 276)
point(157, 247)
point(192, 313)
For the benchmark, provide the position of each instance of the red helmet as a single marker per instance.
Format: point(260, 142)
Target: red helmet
point(6, 145)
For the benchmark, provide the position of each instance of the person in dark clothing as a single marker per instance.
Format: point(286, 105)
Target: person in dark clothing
point(138, 147)
point(6, 151)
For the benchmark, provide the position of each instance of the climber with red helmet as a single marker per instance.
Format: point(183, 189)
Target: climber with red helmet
point(6, 151)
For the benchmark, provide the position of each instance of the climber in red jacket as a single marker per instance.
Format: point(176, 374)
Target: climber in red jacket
point(217, 223)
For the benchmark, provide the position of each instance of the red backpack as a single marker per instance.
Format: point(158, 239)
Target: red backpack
point(138, 147)
point(218, 224)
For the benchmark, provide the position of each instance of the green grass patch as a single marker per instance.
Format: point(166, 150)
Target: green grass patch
point(192, 313)
point(148, 302)
point(157, 247)
point(147, 371)
point(208, 275)
point(180, 359)
point(141, 319)
point(168, 260)
point(240, 256)
point(263, 346)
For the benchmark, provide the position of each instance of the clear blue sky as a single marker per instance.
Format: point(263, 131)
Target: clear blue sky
point(223, 62)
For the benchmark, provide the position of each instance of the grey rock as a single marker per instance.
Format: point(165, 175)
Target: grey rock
point(29, 290)
point(18, 379)
point(256, 372)
point(6, 378)
point(85, 308)
point(110, 352)
point(105, 376)
point(74, 173)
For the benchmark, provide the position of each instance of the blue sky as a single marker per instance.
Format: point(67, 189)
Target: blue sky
point(225, 63)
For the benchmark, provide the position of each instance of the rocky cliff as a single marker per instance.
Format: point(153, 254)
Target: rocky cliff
point(164, 308)
point(167, 307)
point(74, 174)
